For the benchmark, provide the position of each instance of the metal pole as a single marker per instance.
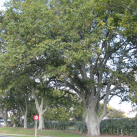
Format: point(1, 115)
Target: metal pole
point(35, 128)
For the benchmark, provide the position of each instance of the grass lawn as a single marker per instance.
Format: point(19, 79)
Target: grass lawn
point(40, 133)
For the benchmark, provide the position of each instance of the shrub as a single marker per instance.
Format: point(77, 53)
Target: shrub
point(81, 126)
point(61, 125)
point(119, 126)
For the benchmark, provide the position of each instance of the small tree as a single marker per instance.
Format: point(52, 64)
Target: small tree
point(114, 113)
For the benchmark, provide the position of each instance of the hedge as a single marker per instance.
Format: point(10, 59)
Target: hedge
point(119, 126)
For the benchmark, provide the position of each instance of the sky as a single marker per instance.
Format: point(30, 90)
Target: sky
point(1, 4)
point(125, 106)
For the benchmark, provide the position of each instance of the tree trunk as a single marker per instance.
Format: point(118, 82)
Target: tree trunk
point(93, 123)
point(41, 120)
point(14, 119)
point(40, 110)
point(5, 117)
point(5, 122)
point(25, 120)
point(14, 125)
point(92, 118)
point(26, 112)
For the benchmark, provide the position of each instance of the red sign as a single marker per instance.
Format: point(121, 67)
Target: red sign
point(36, 117)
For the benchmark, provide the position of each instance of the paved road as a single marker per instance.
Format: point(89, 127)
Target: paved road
point(4, 136)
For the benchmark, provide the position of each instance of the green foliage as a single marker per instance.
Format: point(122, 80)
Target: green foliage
point(85, 46)
point(77, 111)
point(56, 125)
point(64, 111)
point(124, 126)
point(81, 126)
point(119, 126)
point(114, 113)
point(51, 124)
point(58, 114)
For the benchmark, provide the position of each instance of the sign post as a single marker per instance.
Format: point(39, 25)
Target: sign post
point(36, 118)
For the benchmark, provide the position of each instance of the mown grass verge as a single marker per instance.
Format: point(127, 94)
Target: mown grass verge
point(31, 132)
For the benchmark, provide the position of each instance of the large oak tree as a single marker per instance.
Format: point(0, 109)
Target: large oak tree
point(89, 45)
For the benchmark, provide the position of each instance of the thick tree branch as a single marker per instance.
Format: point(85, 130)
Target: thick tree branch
point(83, 71)
point(35, 97)
point(45, 109)
point(105, 109)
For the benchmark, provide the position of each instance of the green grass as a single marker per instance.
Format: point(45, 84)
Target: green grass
point(31, 132)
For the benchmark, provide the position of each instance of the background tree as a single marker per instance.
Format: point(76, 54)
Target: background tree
point(16, 104)
point(63, 106)
point(57, 114)
point(114, 113)
point(77, 111)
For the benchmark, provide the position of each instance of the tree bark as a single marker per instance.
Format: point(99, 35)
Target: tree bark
point(40, 110)
point(26, 112)
point(25, 120)
point(15, 119)
point(41, 119)
point(93, 123)
point(5, 117)
point(14, 125)
point(92, 119)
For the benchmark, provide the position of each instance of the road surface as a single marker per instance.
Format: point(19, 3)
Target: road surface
point(4, 136)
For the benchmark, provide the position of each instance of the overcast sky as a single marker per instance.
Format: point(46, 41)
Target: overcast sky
point(125, 106)
point(1, 4)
